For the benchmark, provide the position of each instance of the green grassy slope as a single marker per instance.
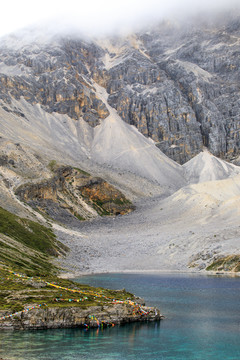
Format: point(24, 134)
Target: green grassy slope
point(26, 269)
point(26, 245)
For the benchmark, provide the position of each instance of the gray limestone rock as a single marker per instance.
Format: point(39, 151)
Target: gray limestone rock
point(70, 317)
point(179, 85)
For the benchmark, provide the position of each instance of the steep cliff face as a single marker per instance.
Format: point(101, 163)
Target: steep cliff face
point(53, 75)
point(178, 85)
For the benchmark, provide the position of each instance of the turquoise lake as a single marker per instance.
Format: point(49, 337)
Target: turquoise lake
point(202, 322)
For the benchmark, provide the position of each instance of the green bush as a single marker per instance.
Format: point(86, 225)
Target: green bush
point(52, 165)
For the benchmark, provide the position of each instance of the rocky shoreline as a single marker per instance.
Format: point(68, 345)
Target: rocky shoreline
point(72, 317)
point(51, 303)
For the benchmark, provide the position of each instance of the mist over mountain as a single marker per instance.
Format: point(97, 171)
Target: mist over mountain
point(101, 126)
point(104, 17)
point(177, 84)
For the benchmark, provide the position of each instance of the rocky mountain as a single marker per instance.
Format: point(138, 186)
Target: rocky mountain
point(180, 87)
point(146, 122)
point(176, 84)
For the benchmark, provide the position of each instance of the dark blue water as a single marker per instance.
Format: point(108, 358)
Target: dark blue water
point(202, 322)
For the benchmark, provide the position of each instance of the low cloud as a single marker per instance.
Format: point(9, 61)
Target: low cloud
point(94, 17)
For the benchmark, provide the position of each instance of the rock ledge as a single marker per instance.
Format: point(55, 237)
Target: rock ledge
point(72, 317)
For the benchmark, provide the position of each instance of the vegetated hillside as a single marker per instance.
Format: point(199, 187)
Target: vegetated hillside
point(28, 277)
point(26, 245)
point(29, 280)
point(32, 296)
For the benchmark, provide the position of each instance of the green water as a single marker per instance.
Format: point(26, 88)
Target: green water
point(202, 322)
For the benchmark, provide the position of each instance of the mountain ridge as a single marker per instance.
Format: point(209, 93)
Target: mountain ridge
point(177, 87)
point(126, 111)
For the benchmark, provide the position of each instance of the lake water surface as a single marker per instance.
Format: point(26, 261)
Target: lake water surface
point(202, 322)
